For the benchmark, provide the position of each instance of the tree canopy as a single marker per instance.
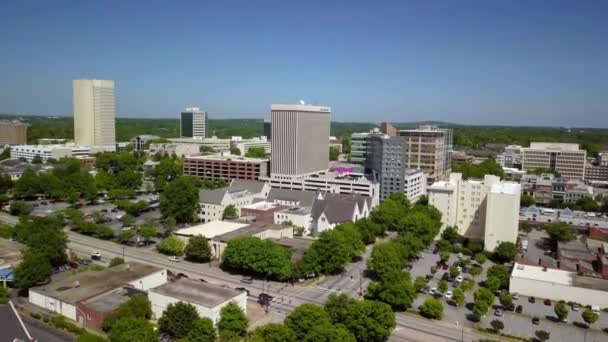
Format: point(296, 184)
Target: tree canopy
point(262, 257)
point(197, 249)
point(180, 199)
point(178, 319)
point(233, 322)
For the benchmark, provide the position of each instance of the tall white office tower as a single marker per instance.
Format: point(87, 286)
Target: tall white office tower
point(94, 112)
point(300, 140)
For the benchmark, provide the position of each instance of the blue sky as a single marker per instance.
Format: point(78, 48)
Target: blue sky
point(476, 62)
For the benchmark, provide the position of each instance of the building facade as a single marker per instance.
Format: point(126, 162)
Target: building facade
point(414, 185)
point(429, 149)
point(358, 147)
point(226, 167)
point(56, 151)
point(239, 194)
point(385, 161)
point(567, 159)
point(511, 157)
point(485, 210)
point(243, 145)
point(139, 142)
point(193, 123)
point(13, 132)
point(94, 112)
point(300, 140)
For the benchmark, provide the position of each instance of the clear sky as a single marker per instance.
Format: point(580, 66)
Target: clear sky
point(479, 62)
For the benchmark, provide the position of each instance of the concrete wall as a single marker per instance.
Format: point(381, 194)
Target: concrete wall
point(153, 280)
point(52, 304)
point(544, 289)
point(161, 301)
point(502, 219)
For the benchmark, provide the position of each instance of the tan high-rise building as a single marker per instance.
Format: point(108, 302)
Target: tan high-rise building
point(13, 132)
point(94, 112)
point(300, 140)
point(429, 149)
point(567, 159)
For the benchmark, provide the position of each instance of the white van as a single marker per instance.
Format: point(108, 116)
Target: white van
point(595, 309)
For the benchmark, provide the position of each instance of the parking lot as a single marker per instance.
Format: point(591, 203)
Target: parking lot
point(516, 324)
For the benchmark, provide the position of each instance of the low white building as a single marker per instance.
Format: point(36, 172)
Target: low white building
point(208, 299)
point(240, 193)
point(63, 294)
point(485, 210)
point(179, 149)
point(555, 284)
point(245, 144)
point(414, 184)
point(56, 151)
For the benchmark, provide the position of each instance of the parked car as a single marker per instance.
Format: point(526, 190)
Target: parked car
point(433, 291)
point(519, 309)
point(547, 301)
point(460, 255)
point(595, 309)
point(515, 296)
point(247, 280)
point(536, 320)
point(499, 312)
point(174, 259)
point(96, 255)
point(264, 299)
point(445, 267)
point(448, 295)
point(426, 289)
point(575, 307)
point(459, 279)
point(531, 299)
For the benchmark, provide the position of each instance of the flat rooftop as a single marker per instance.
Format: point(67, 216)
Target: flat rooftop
point(211, 229)
point(561, 277)
point(262, 205)
point(506, 188)
point(10, 253)
point(112, 300)
point(197, 292)
point(233, 158)
point(249, 230)
point(92, 283)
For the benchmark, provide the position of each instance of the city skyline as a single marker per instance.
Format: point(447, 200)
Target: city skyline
point(480, 63)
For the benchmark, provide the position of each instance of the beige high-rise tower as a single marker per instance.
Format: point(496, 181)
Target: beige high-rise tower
point(300, 140)
point(94, 112)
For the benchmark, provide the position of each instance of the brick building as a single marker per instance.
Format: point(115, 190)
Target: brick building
point(225, 167)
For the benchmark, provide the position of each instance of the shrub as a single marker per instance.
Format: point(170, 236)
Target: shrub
point(172, 246)
point(116, 261)
point(431, 308)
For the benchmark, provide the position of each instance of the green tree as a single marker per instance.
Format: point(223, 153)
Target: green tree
point(230, 213)
point(588, 204)
point(333, 250)
point(505, 299)
point(481, 258)
point(116, 261)
point(431, 308)
point(147, 231)
point(197, 249)
point(589, 316)
point(369, 230)
point(334, 153)
point(369, 320)
point(419, 283)
point(133, 329)
point(451, 235)
point(505, 251)
point(256, 152)
point(480, 308)
point(272, 332)
point(458, 296)
point(561, 310)
point(233, 322)
point(5, 183)
point(172, 245)
point(126, 235)
point(389, 212)
point(33, 270)
point(137, 306)
point(560, 232)
point(329, 333)
point(497, 325)
point(127, 220)
point(485, 296)
point(235, 151)
point(180, 199)
point(394, 289)
point(526, 200)
point(20, 208)
point(178, 319)
point(166, 171)
point(43, 235)
point(454, 272)
point(542, 335)
point(6, 231)
point(305, 317)
point(442, 286)
point(501, 273)
point(263, 257)
point(90, 337)
point(170, 225)
point(337, 306)
point(28, 185)
point(202, 331)
point(525, 227)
